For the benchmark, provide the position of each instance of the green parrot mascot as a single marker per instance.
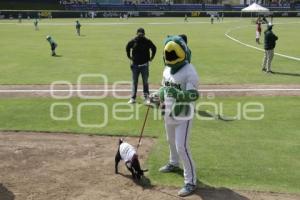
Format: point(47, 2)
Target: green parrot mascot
point(176, 98)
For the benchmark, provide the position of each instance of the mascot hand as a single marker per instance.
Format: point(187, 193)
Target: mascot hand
point(161, 94)
point(172, 92)
point(182, 96)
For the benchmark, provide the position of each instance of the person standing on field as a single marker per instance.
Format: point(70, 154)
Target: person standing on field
point(36, 24)
point(212, 17)
point(218, 17)
point(20, 17)
point(138, 51)
point(185, 18)
point(258, 29)
point(78, 26)
point(270, 43)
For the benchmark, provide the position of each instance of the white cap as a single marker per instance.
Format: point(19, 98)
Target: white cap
point(48, 37)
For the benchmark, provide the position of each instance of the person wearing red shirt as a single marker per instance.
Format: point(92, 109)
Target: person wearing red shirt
point(258, 29)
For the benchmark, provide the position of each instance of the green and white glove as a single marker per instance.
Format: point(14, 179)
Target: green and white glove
point(182, 96)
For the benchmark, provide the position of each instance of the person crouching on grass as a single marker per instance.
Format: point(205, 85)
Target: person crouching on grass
point(52, 43)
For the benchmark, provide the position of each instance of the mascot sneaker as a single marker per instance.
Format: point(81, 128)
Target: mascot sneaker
point(187, 190)
point(168, 168)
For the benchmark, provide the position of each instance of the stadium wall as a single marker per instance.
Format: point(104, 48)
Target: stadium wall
point(13, 14)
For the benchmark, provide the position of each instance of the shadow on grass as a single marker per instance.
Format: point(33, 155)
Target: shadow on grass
point(207, 192)
point(58, 56)
point(211, 115)
point(5, 194)
point(286, 74)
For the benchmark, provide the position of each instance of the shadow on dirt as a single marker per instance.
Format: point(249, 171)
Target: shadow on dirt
point(218, 194)
point(144, 182)
point(5, 194)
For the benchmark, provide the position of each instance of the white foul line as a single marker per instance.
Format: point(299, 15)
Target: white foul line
point(248, 45)
point(128, 90)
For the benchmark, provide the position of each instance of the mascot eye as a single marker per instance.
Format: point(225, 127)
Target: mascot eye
point(171, 55)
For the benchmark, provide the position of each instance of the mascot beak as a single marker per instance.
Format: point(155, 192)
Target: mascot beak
point(173, 53)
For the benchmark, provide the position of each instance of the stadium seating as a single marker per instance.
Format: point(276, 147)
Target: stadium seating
point(31, 5)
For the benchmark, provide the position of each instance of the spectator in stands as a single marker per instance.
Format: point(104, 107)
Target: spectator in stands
point(138, 51)
point(270, 43)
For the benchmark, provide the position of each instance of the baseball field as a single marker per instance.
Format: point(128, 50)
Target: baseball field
point(61, 117)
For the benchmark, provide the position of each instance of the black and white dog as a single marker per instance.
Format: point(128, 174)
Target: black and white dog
point(128, 153)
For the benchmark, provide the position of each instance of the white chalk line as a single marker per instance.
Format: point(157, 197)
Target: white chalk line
point(129, 90)
point(254, 47)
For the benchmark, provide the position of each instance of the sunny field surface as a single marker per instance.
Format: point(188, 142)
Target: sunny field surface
point(259, 155)
point(25, 54)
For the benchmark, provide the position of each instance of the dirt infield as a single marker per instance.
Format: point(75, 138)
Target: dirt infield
point(15, 91)
point(45, 166)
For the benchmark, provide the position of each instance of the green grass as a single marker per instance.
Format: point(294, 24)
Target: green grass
point(25, 54)
point(258, 155)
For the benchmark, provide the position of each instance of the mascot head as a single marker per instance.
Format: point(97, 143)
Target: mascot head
point(176, 53)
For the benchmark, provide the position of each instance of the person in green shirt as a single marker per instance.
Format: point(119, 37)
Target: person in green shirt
point(78, 26)
point(52, 43)
point(36, 24)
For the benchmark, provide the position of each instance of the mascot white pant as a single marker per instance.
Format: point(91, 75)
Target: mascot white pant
point(178, 138)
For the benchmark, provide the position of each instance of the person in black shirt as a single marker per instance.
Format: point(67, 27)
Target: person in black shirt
point(138, 51)
point(270, 43)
